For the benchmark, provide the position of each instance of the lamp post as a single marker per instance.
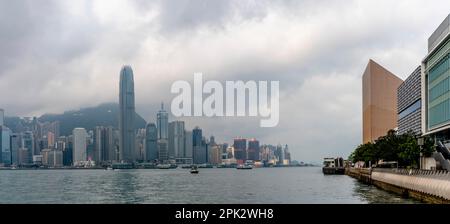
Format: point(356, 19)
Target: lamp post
point(420, 142)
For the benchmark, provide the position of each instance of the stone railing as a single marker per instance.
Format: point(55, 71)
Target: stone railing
point(439, 174)
point(436, 183)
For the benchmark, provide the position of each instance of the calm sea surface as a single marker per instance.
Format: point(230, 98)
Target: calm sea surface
point(266, 185)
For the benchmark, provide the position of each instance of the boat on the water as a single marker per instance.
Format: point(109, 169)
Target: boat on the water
point(244, 167)
point(333, 166)
point(122, 166)
point(163, 166)
point(194, 170)
point(248, 165)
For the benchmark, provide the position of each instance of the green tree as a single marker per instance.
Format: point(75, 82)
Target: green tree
point(392, 147)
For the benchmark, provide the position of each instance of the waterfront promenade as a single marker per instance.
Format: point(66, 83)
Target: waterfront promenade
point(425, 185)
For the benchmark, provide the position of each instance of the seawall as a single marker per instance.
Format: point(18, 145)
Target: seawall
point(425, 185)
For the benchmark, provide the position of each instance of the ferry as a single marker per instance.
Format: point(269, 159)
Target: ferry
point(333, 166)
point(194, 170)
point(248, 165)
point(120, 166)
point(164, 166)
point(244, 167)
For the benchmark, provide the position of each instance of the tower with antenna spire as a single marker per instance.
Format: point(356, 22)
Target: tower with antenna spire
point(162, 123)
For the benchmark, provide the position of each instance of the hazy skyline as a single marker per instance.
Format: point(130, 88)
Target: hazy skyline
point(63, 55)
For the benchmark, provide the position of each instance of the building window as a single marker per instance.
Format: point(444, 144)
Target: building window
point(412, 108)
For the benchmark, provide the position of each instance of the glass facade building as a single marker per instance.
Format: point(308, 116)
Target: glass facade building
point(162, 120)
point(5, 144)
point(79, 145)
point(176, 139)
point(240, 149)
point(151, 142)
point(253, 150)
point(126, 115)
point(436, 81)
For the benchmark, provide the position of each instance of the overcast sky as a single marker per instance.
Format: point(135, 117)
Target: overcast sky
point(61, 55)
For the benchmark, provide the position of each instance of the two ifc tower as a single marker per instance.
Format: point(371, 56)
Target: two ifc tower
point(126, 115)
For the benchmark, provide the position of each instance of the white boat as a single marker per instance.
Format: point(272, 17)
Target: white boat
point(248, 165)
point(163, 166)
point(244, 167)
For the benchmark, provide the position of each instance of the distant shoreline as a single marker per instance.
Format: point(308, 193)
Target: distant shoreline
point(100, 168)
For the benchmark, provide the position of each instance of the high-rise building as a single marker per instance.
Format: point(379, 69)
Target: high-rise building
point(163, 150)
point(61, 143)
point(197, 136)
point(5, 145)
point(110, 149)
point(79, 145)
point(151, 142)
point(240, 149)
point(199, 147)
point(201, 155)
point(50, 139)
point(2, 117)
point(29, 144)
point(99, 143)
point(279, 154)
point(68, 152)
point(188, 144)
point(253, 150)
point(139, 153)
point(214, 154)
point(176, 139)
point(162, 122)
point(103, 144)
point(436, 84)
point(45, 155)
point(55, 158)
point(16, 144)
point(409, 104)
point(116, 136)
point(287, 156)
point(23, 157)
point(55, 128)
point(126, 115)
point(379, 101)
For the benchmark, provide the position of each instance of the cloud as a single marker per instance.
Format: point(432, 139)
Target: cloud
point(60, 55)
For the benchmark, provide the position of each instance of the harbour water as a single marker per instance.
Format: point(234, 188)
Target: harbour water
point(265, 185)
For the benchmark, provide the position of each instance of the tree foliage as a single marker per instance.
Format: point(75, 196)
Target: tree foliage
point(403, 149)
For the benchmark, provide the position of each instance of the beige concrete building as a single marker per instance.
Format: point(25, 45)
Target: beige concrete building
point(379, 101)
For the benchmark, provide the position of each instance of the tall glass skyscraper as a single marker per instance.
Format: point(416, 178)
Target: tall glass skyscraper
point(2, 117)
point(126, 115)
point(163, 123)
point(5, 144)
point(29, 145)
point(253, 150)
point(79, 145)
point(151, 146)
point(176, 139)
point(240, 149)
point(200, 154)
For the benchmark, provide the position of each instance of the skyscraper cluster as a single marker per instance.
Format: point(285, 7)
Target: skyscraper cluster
point(38, 143)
